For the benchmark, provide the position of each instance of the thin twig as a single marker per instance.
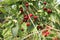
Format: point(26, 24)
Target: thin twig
point(29, 35)
point(30, 19)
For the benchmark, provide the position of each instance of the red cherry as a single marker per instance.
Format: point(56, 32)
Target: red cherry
point(45, 33)
point(35, 17)
point(28, 24)
point(21, 9)
point(49, 11)
point(44, 3)
point(39, 27)
point(30, 15)
point(26, 17)
point(26, 4)
point(44, 8)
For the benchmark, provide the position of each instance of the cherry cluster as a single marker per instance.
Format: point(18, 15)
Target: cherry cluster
point(27, 17)
point(47, 9)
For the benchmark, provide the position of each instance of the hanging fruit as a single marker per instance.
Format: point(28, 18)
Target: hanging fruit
point(26, 17)
point(49, 11)
point(39, 27)
point(21, 9)
point(30, 14)
point(27, 4)
point(44, 3)
point(44, 8)
point(28, 24)
point(35, 17)
point(45, 33)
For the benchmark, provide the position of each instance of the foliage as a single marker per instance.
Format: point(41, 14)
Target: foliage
point(28, 19)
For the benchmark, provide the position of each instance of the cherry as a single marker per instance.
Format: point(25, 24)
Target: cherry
point(35, 17)
point(45, 33)
point(39, 27)
point(26, 17)
point(30, 14)
point(44, 8)
point(49, 11)
point(28, 24)
point(44, 3)
point(21, 9)
point(26, 4)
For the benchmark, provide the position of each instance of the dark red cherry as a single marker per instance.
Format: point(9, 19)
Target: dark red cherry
point(44, 3)
point(49, 11)
point(21, 9)
point(28, 24)
point(26, 4)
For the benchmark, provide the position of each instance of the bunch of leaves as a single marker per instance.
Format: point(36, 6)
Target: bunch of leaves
point(12, 26)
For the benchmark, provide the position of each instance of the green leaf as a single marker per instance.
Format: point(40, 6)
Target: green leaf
point(9, 2)
point(15, 30)
point(2, 10)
